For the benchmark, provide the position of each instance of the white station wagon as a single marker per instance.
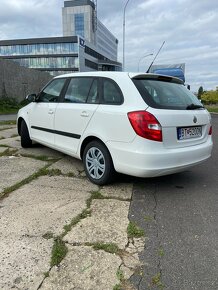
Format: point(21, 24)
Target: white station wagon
point(144, 125)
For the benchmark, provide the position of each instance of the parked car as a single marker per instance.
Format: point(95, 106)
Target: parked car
point(144, 125)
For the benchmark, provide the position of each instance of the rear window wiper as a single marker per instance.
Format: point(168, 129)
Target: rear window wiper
point(193, 107)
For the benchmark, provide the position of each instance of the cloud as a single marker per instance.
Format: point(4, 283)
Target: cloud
point(32, 18)
point(188, 27)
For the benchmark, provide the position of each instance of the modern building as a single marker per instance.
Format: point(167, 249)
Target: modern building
point(86, 44)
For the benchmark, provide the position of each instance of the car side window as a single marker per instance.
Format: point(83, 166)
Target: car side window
point(52, 92)
point(111, 93)
point(78, 90)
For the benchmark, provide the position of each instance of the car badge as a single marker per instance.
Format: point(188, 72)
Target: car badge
point(195, 119)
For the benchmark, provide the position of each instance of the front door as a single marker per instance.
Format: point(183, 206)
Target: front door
point(41, 115)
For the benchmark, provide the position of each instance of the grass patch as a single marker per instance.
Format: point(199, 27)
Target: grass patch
point(94, 195)
point(117, 287)
point(70, 174)
point(46, 274)
point(10, 105)
point(148, 218)
point(133, 231)
point(156, 280)
point(109, 248)
point(41, 158)
point(84, 214)
point(120, 275)
point(59, 251)
point(161, 252)
point(12, 122)
point(8, 152)
point(40, 172)
point(212, 109)
point(54, 172)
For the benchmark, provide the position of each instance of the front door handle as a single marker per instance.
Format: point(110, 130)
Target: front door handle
point(84, 114)
point(51, 112)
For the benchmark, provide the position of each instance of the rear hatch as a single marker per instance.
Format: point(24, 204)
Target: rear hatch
point(183, 128)
point(184, 120)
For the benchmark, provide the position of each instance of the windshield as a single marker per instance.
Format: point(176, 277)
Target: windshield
point(166, 95)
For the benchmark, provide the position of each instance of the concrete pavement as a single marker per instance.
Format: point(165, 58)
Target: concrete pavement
point(58, 230)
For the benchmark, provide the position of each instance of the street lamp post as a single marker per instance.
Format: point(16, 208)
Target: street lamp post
point(124, 24)
point(142, 58)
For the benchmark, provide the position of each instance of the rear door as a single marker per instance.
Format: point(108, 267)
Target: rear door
point(75, 111)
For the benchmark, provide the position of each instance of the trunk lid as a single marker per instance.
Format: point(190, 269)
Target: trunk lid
point(182, 128)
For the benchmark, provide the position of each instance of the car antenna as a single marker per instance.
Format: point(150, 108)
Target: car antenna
point(155, 57)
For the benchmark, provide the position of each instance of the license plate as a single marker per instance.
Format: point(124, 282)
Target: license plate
point(189, 132)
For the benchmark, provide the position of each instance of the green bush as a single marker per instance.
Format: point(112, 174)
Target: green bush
point(210, 97)
point(10, 105)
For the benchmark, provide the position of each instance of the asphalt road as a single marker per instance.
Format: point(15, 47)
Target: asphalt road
point(179, 214)
point(8, 117)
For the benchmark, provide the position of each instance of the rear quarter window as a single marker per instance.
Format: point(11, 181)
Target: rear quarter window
point(111, 92)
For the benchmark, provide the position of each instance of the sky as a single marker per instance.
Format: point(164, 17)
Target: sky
point(188, 27)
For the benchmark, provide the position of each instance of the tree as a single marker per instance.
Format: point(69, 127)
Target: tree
point(210, 97)
point(200, 92)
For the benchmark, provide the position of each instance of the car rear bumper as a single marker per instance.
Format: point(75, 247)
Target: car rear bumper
point(151, 159)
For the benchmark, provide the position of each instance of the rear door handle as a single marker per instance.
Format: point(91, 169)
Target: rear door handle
point(84, 114)
point(51, 112)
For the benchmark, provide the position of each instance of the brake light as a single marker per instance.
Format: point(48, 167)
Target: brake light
point(146, 125)
point(210, 131)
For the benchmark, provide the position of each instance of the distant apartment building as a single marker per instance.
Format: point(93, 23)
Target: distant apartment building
point(86, 44)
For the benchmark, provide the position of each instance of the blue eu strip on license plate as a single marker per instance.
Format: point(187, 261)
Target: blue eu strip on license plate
point(189, 132)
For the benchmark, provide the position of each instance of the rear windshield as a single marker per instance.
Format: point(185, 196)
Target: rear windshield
point(166, 95)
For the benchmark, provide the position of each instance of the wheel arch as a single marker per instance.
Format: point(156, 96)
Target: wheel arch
point(88, 140)
point(19, 121)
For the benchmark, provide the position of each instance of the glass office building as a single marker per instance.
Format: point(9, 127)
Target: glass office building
point(55, 55)
point(86, 45)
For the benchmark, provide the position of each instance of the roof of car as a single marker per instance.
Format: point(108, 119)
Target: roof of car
point(132, 75)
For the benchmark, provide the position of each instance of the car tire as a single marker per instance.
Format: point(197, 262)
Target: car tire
point(98, 163)
point(26, 142)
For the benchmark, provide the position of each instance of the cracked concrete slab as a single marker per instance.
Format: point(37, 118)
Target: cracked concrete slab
point(23, 261)
point(7, 126)
point(8, 133)
point(41, 209)
point(84, 269)
point(43, 206)
point(3, 149)
point(69, 165)
point(11, 142)
point(107, 224)
point(38, 150)
point(15, 169)
point(119, 190)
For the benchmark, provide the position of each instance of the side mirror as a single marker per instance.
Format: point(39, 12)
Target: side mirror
point(31, 97)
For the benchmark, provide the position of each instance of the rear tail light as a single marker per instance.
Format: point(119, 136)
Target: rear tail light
point(146, 125)
point(210, 131)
